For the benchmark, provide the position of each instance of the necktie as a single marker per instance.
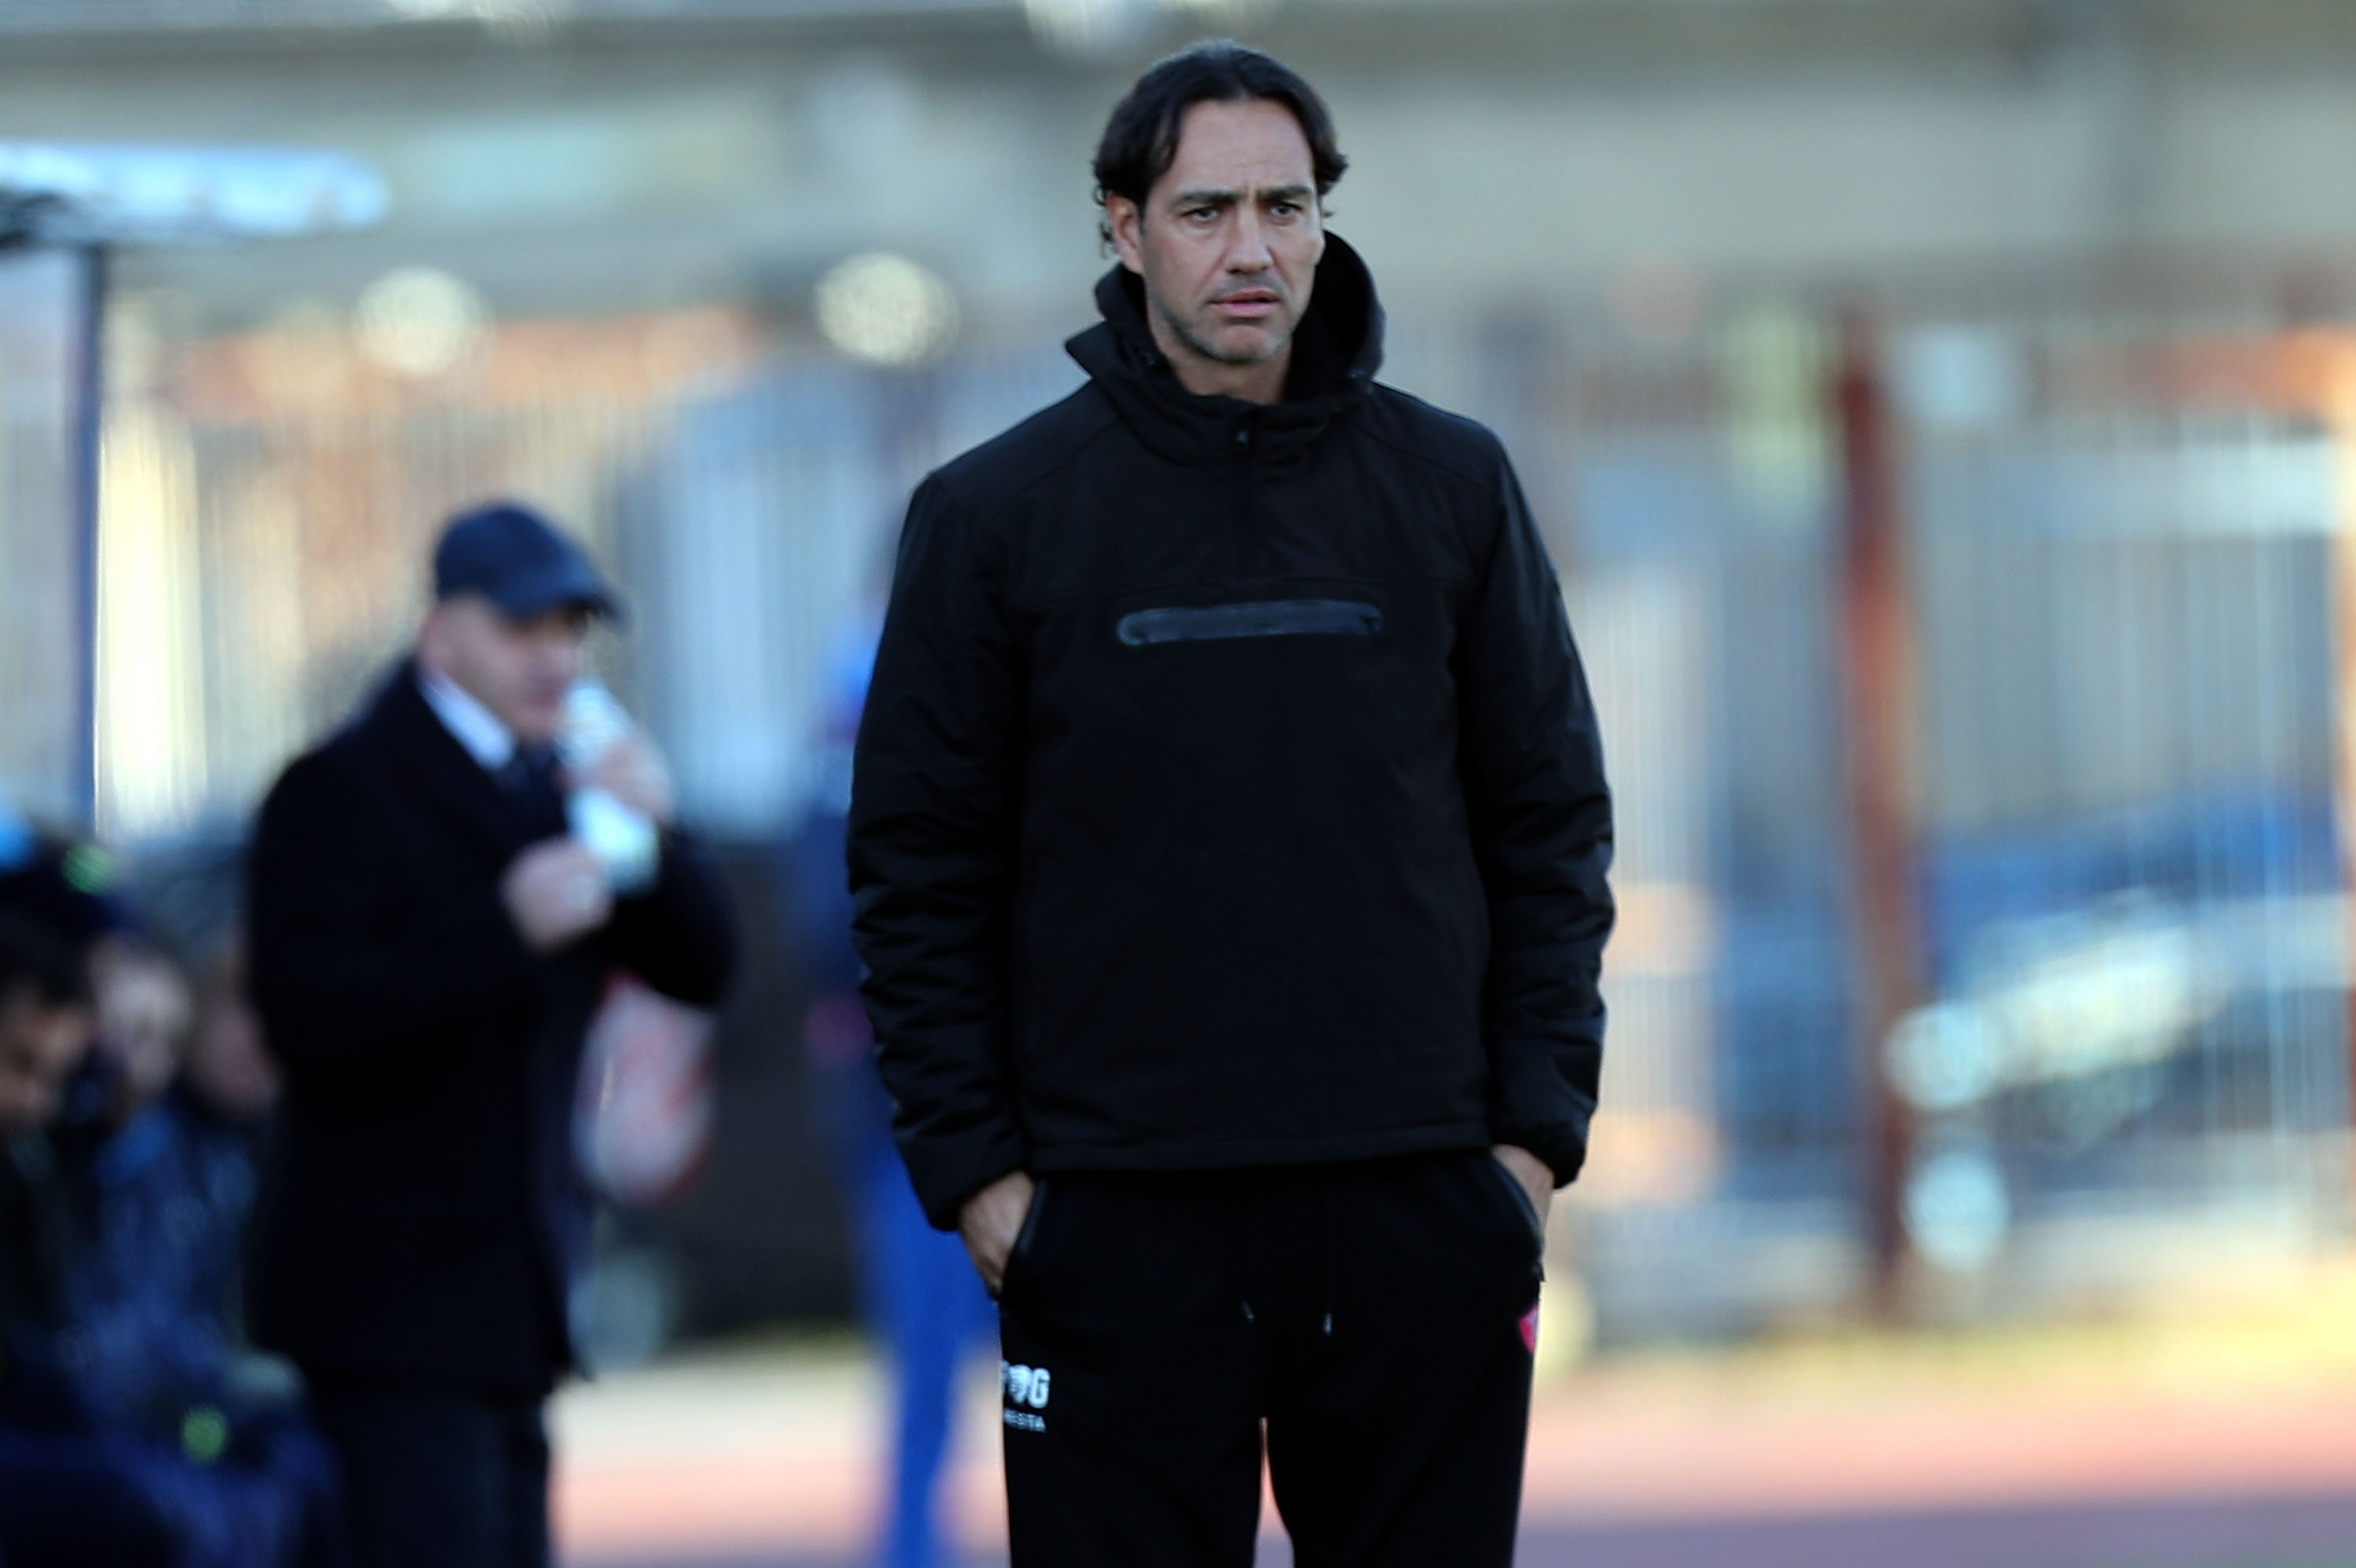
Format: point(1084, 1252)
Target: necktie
point(529, 779)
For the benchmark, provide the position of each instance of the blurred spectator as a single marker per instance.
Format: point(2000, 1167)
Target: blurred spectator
point(228, 1071)
point(45, 1027)
point(428, 945)
point(49, 925)
point(920, 1296)
point(126, 1436)
point(143, 1011)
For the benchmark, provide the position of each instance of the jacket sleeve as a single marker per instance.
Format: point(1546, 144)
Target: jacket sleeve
point(1541, 821)
point(931, 853)
point(338, 981)
point(680, 935)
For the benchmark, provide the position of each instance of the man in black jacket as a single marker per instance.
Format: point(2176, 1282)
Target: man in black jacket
point(428, 945)
point(1228, 840)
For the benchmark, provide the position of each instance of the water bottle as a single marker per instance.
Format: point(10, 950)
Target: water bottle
point(624, 840)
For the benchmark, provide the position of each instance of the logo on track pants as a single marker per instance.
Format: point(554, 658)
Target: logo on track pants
point(1026, 1390)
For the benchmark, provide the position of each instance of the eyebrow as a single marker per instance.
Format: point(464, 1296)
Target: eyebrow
point(1210, 198)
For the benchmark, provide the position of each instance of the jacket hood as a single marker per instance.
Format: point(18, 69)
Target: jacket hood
point(1336, 350)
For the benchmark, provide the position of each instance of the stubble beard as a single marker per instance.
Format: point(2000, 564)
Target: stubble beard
point(1184, 332)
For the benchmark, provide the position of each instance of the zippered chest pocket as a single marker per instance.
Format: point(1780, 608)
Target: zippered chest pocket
point(1261, 618)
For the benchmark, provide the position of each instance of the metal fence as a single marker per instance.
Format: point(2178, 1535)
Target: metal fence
point(269, 503)
point(1986, 948)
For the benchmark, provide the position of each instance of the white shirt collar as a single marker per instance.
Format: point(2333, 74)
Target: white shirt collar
point(470, 723)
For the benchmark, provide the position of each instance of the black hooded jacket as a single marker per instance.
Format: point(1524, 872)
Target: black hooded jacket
point(1228, 792)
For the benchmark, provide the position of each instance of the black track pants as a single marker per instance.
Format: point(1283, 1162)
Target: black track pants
point(1378, 1318)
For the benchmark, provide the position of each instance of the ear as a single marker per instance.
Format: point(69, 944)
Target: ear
point(1127, 225)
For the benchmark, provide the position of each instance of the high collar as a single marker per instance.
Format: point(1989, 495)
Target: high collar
point(1336, 352)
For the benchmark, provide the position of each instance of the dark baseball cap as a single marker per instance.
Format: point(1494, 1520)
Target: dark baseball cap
point(515, 557)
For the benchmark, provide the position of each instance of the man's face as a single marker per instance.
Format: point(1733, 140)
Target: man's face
point(144, 1009)
point(518, 668)
point(1227, 241)
point(228, 1066)
point(41, 1043)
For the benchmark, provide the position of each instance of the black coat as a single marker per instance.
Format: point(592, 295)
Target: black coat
point(420, 1217)
point(1228, 792)
point(40, 1241)
point(35, 1233)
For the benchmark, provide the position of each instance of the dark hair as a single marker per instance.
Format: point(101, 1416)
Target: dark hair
point(1140, 139)
point(66, 888)
point(36, 956)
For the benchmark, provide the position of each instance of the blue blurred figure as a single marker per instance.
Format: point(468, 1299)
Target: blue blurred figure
point(919, 1294)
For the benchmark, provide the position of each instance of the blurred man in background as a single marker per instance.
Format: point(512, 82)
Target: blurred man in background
point(428, 945)
point(1229, 840)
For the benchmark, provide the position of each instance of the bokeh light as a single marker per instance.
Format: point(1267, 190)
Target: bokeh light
point(419, 322)
point(887, 310)
point(1957, 1210)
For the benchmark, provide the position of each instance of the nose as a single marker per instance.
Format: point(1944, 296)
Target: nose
point(561, 658)
point(1247, 251)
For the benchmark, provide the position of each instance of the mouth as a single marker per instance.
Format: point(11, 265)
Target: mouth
point(1247, 304)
